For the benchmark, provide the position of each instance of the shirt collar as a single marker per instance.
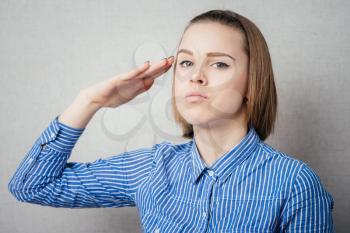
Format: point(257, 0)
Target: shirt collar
point(224, 166)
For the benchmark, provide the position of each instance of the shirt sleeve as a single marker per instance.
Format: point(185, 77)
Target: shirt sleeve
point(309, 207)
point(45, 177)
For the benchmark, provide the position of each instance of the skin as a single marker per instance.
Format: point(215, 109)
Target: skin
point(112, 92)
point(219, 122)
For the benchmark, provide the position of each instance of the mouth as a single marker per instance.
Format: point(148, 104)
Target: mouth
point(196, 97)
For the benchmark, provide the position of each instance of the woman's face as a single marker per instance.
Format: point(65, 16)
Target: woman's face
point(210, 61)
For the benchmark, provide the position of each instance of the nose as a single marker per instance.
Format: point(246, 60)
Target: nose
point(199, 77)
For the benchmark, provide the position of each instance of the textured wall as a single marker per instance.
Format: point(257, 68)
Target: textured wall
point(49, 50)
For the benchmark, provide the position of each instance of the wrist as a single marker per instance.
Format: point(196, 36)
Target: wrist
point(85, 101)
point(79, 113)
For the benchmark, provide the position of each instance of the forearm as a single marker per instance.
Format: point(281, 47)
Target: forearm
point(79, 112)
point(42, 165)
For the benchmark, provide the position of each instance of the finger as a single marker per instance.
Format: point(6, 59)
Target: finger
point(159, 68)
point(154, 69)
point(135, 72)
point(156, 75)
point(147, 84)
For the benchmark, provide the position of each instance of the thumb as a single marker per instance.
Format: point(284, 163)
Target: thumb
point(147, 84)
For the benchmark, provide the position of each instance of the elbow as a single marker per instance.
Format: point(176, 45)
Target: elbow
point(15, 190)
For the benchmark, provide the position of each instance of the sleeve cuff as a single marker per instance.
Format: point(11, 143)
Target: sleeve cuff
point(59, 136)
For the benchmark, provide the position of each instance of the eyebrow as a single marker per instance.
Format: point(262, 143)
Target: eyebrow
point(211, 54)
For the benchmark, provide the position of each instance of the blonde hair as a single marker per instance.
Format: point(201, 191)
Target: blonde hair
point(261, 108)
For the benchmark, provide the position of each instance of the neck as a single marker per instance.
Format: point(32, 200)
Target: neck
point(219, 137)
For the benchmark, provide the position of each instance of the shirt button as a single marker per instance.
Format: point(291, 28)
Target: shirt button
point(211, 173)
point(156, 230)
point(204, 215)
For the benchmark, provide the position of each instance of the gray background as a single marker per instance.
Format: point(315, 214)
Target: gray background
point(49, 50)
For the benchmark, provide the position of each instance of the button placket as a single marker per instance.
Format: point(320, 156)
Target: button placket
point(207, 212)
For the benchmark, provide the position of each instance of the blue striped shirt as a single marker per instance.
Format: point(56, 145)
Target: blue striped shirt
point(251, 188)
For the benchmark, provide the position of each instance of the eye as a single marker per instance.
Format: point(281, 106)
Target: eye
point(222, 65)
point(185, 61)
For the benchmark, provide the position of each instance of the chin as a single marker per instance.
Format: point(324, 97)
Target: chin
point(195, 115)
point(196, 119)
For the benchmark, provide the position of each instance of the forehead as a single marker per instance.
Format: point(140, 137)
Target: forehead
point(206, 37)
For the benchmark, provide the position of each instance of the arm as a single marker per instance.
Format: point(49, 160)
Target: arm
point(44, 177)
point(309, 207)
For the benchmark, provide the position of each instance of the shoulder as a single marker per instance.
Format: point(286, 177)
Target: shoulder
point(166, 150)
point(302, 167)
point(284, 163)
point(301, 178)
point(307, 185)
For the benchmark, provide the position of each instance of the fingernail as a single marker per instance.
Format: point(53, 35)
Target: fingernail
point(170, 57)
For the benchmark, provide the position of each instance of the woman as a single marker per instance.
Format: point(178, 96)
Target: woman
point(225, 179)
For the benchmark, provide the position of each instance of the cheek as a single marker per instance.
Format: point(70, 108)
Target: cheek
point(216, 79)
point(230, 83)
point(178, 86)
point(178, 94)
point(227, 101)
point(240, 85)
point(228, 97)
point(182, 75)
point(220, 79)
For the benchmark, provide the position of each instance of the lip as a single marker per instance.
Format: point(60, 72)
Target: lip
point(193, 97)
point(196, 94)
